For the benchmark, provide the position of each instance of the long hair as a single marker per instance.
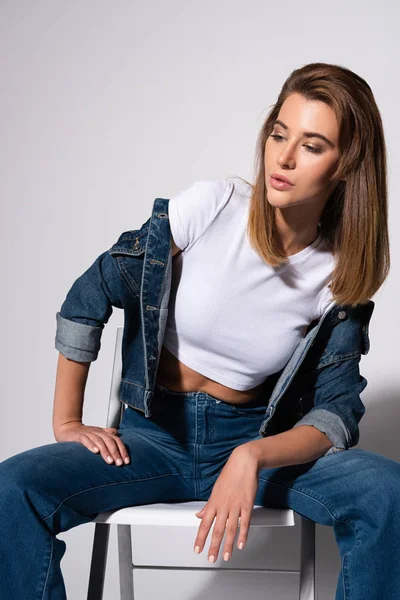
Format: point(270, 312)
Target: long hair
point(354, 221)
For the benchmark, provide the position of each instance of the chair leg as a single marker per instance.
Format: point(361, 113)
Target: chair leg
point(99, 561)
point(307, 560)
point(125, 562)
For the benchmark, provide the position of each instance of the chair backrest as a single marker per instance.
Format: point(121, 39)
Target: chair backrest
point(115, 406)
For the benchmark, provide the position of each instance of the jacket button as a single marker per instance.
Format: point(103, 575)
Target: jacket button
point(341, 314)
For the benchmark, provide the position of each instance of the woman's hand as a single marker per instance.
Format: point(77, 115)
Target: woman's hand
point(96, 439)
point(232, 497)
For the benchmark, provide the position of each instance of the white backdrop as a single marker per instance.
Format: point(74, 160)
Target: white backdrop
point(105, 106)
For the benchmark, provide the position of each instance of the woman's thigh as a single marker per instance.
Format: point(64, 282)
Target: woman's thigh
point(68, 484)
point(350, 486)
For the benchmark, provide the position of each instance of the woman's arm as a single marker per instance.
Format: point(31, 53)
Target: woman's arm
point(67, 414)
point(69, 392)
point(72, 374)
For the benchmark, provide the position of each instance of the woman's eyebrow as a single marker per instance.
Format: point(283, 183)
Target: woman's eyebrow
point(307, 134)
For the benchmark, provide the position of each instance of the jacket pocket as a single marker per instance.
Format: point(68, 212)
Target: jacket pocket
point(130, 269)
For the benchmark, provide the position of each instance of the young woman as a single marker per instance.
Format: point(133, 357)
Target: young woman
point(240, 356)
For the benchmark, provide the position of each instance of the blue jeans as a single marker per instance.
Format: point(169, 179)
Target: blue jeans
point(176, 456)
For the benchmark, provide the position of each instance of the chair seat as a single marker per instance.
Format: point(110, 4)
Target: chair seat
point(182, 514)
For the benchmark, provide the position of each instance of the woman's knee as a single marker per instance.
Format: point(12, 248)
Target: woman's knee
point(16, 470)
point(376, 479)
point(17, 475)
point(33, 475)
point(375, 466)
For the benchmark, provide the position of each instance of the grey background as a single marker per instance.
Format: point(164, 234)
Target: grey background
point(105, 106)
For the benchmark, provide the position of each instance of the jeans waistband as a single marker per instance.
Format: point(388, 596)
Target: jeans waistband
point(162, 390)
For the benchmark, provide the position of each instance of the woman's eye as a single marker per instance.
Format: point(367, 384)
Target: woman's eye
point(314, 150)
point(278, 138)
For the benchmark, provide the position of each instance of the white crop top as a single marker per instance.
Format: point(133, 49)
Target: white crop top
point(232, 317)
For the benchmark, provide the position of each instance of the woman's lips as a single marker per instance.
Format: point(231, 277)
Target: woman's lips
point(278, 184)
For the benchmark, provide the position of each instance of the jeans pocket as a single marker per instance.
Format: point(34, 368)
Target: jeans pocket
point(248, 411)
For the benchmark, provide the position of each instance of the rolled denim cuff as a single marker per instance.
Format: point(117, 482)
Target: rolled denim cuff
point(329, 423)
point(77, 341)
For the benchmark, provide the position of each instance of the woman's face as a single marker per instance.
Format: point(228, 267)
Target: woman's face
point(306, 161)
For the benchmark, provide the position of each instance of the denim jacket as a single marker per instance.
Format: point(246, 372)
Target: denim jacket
point(320, 385)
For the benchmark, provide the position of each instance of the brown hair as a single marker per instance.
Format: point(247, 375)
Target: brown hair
point(354, 219)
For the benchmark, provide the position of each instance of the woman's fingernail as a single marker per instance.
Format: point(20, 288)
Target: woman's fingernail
point(126, 460)
point(241, 546)
point(211, 558)
point(119, 462)
point(197, 549)
point(226, 556)
point(110, 460)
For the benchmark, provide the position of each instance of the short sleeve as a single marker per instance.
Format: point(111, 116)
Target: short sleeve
point(193, 210)
point(325, 299)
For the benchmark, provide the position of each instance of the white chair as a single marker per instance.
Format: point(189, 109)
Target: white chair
point(175, 515)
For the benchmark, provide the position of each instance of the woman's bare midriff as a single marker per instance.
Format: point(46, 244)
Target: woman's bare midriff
point(178, 377)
